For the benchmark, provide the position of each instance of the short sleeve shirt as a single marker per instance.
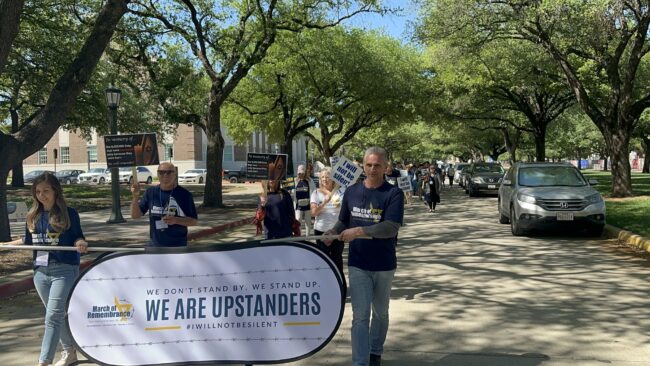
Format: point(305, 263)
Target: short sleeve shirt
point(177, 202)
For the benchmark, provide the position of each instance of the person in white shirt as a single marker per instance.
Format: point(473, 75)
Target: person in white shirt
point(325, 206)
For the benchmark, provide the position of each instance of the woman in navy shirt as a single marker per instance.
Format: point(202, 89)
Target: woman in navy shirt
point(51, 222)
point(279, 215)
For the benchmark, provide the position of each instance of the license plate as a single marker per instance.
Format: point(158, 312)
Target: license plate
point(565, 216)
point(492, 186)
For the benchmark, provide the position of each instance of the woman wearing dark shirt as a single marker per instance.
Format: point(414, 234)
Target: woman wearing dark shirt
point(279, 215)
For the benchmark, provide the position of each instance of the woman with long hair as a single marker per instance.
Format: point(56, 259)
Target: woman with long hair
point(279, 214)
point(51, 222)
point(325, 206)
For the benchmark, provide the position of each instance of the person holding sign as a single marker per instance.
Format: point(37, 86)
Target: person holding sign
point(325, 207)
point(171, 209)
point(279, 215)
point(370, 218)
point(51, 222)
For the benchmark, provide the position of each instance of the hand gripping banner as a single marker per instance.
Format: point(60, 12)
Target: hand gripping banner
point(229, 303)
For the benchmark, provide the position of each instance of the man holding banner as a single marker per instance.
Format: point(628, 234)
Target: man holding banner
point(370, 217)
point(171, 209)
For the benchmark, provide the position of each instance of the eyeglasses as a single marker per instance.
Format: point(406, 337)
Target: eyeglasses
point(165, 172)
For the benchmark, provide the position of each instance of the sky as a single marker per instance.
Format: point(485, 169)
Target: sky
point(393, 24)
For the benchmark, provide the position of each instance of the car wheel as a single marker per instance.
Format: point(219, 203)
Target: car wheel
point(102, 180)
point(233, 179)
point(596, 231)
point(68, 181)
point(515, 227)
point(200, 180)
point(149, 180)
point(503, 219)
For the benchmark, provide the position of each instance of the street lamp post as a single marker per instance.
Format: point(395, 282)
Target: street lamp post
point(113, 100)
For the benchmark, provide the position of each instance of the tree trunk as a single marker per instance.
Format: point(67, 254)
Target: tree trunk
point(287, 148)
point(17, 178)
point(618, 144)
point(10, 11)
point(605, 163)
point(540, 142)
point(646, 154)
point(213, 195)
point(5, 229)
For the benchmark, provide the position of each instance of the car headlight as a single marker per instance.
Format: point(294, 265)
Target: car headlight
point(477, 180)
point(594, 198)
point(526, 198)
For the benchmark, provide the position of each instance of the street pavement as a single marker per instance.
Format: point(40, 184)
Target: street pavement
point(468, 293)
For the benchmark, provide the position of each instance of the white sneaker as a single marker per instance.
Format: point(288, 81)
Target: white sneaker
point(67, 358)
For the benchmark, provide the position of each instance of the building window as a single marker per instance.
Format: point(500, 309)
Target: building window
point(169, 152)
point(227, 153)
point(92, 153)
point(65, 154)
point(42, 156)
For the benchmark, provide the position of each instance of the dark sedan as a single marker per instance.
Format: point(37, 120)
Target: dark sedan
point(69, 176)
point(29, 177)
point(483, 177)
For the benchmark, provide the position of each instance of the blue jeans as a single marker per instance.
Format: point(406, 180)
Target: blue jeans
point(369, 290)
point(53, 284)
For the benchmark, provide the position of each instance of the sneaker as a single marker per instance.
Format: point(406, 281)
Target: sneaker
point(67, 358)
point(375, 360)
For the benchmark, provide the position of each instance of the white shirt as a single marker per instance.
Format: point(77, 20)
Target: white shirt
point(329, 214)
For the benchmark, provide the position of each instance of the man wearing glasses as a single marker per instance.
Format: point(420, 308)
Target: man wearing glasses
point(171, 208)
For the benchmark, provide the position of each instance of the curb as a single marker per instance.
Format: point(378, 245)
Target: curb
point(628, 238)
point(13, 288)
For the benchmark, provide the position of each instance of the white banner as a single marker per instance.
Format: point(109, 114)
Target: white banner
point(245, 303)
point(345, 172)
point(404, 184)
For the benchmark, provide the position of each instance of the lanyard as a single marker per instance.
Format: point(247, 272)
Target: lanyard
point(162, 205)
point(44, 227)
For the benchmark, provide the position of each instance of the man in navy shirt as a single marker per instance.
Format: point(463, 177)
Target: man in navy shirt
point(370, 217)
point(171, 208)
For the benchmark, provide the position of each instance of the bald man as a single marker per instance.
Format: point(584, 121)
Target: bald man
point(171, 208)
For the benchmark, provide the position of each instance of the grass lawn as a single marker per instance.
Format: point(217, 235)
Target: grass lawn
point(632, 213)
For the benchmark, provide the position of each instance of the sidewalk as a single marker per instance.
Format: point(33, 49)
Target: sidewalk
point(239, 210)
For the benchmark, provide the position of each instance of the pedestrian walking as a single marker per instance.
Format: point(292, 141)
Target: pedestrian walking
point(432, 186)
point(51, 222)
point(171, 208)
point(370, 218)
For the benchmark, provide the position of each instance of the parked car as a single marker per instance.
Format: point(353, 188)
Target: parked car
point(29, 177)
point(95, 176)
point(539, 195)
point(126, 176)
point(459, 171)
point(483, 177)
point(69, 176)
point(236, 176)
point(193, 176)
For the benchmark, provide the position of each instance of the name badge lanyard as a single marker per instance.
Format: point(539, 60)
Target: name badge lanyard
point(169, 200)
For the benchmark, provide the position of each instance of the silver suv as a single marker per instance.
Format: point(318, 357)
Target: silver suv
point(538, 195)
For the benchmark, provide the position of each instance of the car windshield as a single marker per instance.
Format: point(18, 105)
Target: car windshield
point(492, 168)
point(197, 171)
point(34, 173)
point(125, 169)
point(96, 170)
point(565, 176)
point(63, 173)
point(461, 166)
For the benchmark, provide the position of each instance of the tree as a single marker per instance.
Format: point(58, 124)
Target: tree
point(228, 39)
point(34, 134)
point(10, 12)
point(600, 46)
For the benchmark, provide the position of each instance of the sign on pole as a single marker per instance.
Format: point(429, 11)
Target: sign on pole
point(266, 166)
point(239, 303)
point(131, 150)
point(345, 172)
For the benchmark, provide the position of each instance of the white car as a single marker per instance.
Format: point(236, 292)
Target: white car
point(193, 176)
point(95, 176)
point(125, 175)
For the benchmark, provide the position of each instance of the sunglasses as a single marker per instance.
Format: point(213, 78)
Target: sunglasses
point(165, 172)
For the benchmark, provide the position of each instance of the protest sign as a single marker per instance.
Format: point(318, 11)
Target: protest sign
point(239, 303)
point(404, 184)
point(131, 150)
point(334, 160)
point(345, 172)
point(266, 166)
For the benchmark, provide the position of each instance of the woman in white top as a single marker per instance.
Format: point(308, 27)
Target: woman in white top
point(325, 206)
